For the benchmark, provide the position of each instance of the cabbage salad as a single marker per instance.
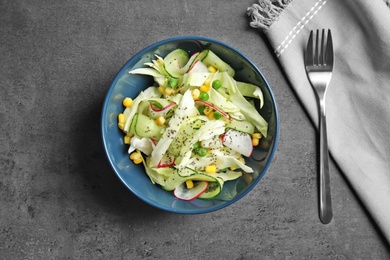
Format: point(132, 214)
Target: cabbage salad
point(194, 127)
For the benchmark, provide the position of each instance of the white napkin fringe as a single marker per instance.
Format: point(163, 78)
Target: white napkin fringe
point(266, 12)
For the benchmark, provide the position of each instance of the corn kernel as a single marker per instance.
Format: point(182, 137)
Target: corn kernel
point(247, 177)
point(135, 156)
point(160, 120)
point(204, 88)
point(211, 168)
point(211, 69)
point(127, 102)
point(126, 139)
point(169, 91)
point(121, 126)
point(207, 111)
point(195, 94)
point(255, 141)
point(189, 184)
point(121, 118)
point(161, 89)
point(207, 83)
point(257, 135)
point(211, 116)
point(138, 161)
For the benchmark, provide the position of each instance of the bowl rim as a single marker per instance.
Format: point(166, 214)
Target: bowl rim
point(137, 56)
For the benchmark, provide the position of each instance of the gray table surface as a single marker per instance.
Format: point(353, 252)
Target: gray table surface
point(59, 199)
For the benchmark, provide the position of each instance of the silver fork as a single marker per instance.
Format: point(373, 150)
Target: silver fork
point(319, 66)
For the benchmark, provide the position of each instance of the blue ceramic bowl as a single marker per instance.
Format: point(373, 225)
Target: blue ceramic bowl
point(127, 85)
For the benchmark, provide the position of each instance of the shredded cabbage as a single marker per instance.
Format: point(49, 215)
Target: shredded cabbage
point(184, 110)
point(246, 108)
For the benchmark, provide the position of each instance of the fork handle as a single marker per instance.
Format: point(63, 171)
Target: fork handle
point(325, 207)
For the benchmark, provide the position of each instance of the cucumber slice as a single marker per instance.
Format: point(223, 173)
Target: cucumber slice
point(211, 59)
point(229, 175)
point(190, 62)
point(132, 124)
point(242, 126)
point(175, 61)
point(144, 126)
point(213, 190)
point(183, 193)
point(143, 106)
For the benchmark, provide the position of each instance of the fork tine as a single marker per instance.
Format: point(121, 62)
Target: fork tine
point(309, 51)
point(316, 49)
point(321, 60)
point(329, 50)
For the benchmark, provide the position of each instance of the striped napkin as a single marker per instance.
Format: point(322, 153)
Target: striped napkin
point(358, 97)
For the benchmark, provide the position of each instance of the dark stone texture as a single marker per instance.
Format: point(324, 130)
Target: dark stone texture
point(59, 199)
